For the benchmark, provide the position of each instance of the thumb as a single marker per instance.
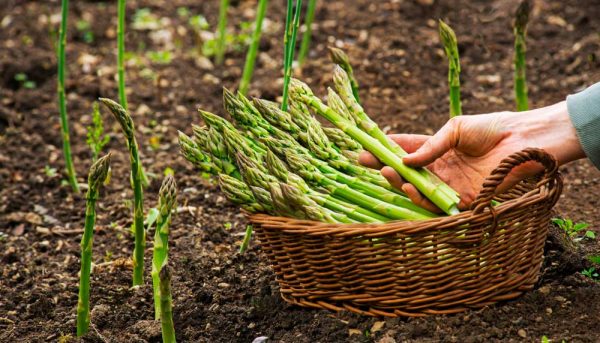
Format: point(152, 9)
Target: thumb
point(436, 146)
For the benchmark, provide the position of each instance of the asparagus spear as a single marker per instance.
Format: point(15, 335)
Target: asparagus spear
point(520, 31)
point(253, 48)
point(448, 39)
point(121, 52)
point(246, 241)
point(290, 46)
point(342, 140)
point(124, 119)
point(339, 57)
point(238, 192)
point(309, 173)
point(313, 211)
point(196, 156)
point(96, 177)
point(278, 168)
point(166, 305)
point(271, 112)
point(166, 203)
point(310, 14)
point(362, 120)
point(62, 99)
point(222, 30)
point(371, 189)
point(389, 153)
point(211, 141)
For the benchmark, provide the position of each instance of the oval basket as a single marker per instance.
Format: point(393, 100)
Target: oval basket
point(437, 266)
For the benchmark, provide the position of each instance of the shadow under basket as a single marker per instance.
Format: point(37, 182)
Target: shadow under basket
point(418, 268)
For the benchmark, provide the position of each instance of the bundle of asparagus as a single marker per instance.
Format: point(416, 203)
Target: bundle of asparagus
point(285, 163)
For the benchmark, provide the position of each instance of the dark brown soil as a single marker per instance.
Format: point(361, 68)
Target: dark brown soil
point(219, 295)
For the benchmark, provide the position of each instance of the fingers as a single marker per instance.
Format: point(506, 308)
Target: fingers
point(369, 160)
point(436, 146)
point(410, 143)
point(418, 199)
point(392, 176)
point(411, 191)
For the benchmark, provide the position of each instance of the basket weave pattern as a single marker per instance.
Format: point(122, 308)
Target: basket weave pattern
point(437, 266)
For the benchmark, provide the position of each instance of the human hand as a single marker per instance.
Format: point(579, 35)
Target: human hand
point(465, 151)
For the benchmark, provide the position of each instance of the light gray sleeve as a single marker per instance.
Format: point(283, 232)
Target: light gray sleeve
point(584, 110)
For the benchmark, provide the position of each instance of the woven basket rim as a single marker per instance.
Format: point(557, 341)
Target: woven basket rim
point(403, 227)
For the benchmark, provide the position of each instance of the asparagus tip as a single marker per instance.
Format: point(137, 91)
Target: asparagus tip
point(338, 56)
point(99, 171)
point(522, 16)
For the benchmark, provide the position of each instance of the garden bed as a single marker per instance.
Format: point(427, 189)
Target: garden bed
point(218, 294)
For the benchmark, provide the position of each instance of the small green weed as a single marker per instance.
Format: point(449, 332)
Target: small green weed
point(573, 229)
point(96, 139)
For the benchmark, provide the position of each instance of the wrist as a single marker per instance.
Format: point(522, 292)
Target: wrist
point(549, 128)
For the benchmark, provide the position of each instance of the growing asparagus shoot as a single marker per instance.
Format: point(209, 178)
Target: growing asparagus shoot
point(220, 53)
point(246, 240)
point(166, 305)
point(253, 48)
point(520, 31)
point(339, 57)
point(126, 123)
point(448, 39)
point(97, 175)
point(306, 37)
point(62, 99)
point(291, 30)
point(121, 53)
point(166, 202)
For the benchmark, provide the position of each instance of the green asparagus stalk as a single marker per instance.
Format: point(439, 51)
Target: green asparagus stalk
point(290, 46)
point(337, 104)
point(253, 48)
point(348, 190)
point(278, 168)
point(339, 57)
point(62, 99)
point(121, 52)
point(263, 198)
point(197, 157)
point(166, 305)
point(212, 141)
point(362, 120)
point(271, 112)
point(300, 113)
point(220, 124)
point(306, 37)
point(282, 148)
point(220, 51)
point(124, 119)
point(448, 39)
point(389, 153)
point(167, 198)
point(284, 207)
point(246, 240)
point(520, 31)
point(239, 193)
point(313, 211)
point(342, 140)
point(121, 6)
point(98, 173)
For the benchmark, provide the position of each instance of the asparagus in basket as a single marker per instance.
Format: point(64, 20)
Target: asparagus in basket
point(373, 139)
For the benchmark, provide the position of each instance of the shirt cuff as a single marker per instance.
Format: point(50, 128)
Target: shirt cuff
point(584, 110)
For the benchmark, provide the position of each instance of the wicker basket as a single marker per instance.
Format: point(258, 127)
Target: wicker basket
point(437, 266)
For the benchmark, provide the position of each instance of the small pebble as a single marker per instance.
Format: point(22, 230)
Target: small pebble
point(522, 333)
